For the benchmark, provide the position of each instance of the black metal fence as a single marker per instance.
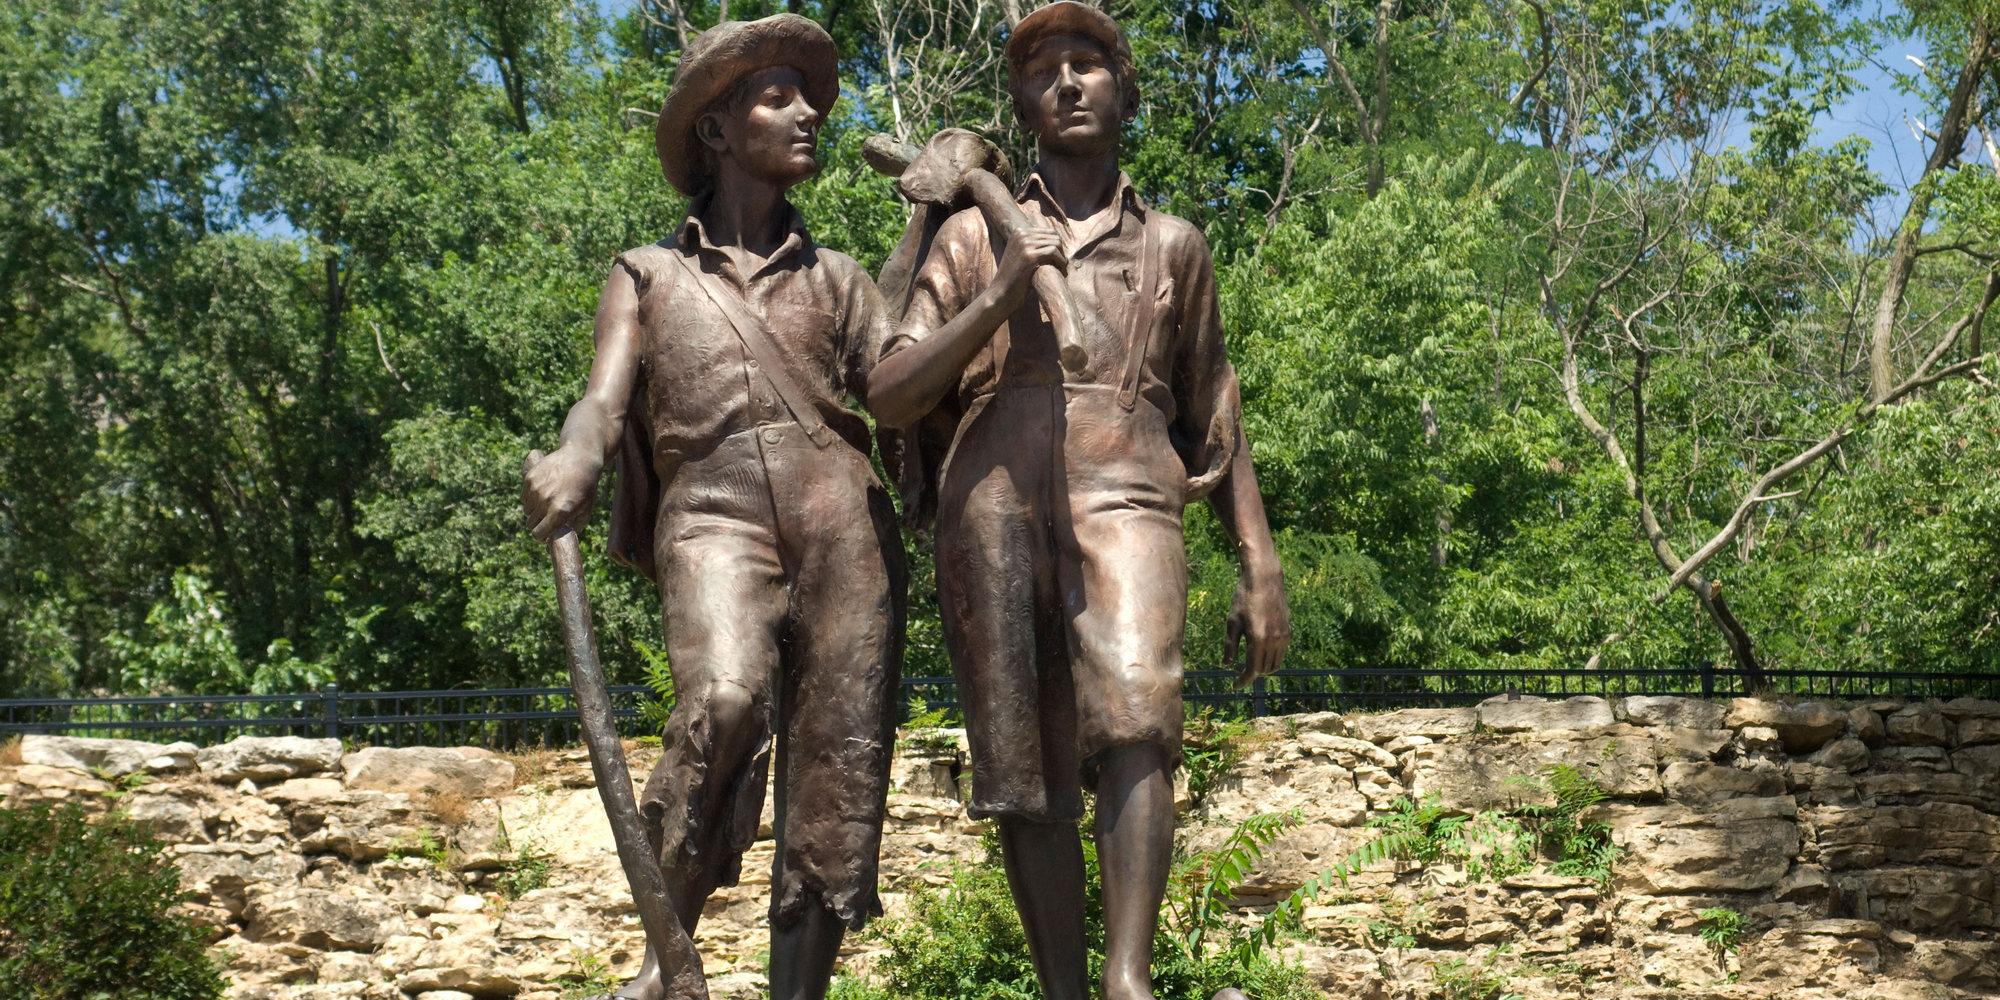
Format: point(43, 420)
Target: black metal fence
point(520, 717)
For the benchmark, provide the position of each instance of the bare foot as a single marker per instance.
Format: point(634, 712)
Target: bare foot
point(1126, 987)
point(647, 985)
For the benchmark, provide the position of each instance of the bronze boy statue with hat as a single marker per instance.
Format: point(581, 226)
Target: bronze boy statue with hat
point(1062, 572)
point(726, 357)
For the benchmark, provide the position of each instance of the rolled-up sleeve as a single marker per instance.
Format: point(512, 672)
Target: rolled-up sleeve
point(1208, 405)
point(867, 333)
point(940, 288)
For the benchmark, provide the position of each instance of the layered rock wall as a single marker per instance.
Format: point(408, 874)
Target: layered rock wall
point(1859, 844)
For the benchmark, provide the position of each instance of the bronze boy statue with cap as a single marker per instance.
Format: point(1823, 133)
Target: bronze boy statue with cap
point(1062, 572)
point(726, 356)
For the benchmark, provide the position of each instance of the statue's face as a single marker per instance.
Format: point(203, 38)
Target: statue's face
point(1067, 94)
point(773, 133)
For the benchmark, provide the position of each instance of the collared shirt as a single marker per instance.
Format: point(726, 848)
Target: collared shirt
point(1186, 371)
point(698, 382)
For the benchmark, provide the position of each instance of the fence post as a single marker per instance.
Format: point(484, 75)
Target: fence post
point(1708, 678)
point(1257, 698)
point(331, 697)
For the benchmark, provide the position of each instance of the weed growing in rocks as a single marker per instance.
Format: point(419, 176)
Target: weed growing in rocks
point(427, 845)
point(1210, 746)
point(1460, 979)
point(526, 870)
point(591, 976)
point(1722, 928)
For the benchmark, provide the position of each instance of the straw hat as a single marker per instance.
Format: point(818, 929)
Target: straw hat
point(719, 57)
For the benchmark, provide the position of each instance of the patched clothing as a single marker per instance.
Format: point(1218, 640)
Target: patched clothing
point(778, 561)
point(1062, 571)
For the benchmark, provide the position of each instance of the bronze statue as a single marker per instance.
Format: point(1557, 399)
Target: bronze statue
point(725, 358)
point(1061, 566)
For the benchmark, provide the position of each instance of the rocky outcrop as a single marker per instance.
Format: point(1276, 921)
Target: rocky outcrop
point(1858, 845)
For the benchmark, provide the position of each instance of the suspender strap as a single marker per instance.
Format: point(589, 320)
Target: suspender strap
point(1139, 339)
point(756, 337)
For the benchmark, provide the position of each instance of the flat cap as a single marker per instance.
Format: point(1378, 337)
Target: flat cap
point(1068, 17)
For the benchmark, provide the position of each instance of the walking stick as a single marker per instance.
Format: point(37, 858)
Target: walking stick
point(680, 966)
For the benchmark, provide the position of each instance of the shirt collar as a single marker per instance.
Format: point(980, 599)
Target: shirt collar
point(1128, 195)
point(1036, 189)
point(693, 236)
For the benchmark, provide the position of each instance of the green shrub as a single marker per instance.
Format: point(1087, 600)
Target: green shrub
point(963, 941)
point(85, 911)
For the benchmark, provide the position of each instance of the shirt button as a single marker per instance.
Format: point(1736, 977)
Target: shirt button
point(772, 436)
point(753, 364)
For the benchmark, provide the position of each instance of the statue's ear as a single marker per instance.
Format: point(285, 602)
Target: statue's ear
point(708, 129)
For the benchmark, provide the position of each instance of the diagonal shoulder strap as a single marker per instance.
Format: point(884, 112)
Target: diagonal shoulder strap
point(756, 337)
point(1139, 341)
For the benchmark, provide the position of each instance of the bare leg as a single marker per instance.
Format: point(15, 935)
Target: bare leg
point(1044, 864)
point(803, 954)
point(689, 884)
point(1135, 843)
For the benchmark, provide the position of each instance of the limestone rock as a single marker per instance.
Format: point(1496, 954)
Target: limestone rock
point(1934, 833)
point(1381, 727)
point(1969, 965)
point(1741, 845)
point(171, 819)
point(45, 782)
point(264, 759)
point(1700, 784)
point(321, 919)
point(1920, 725)
point(1505, 715)
point(1960, 709)
point(361, 826)
point(1482, 772)
point(1346, 750)
point(106, 757)
point(428, 770)
point(1692, 713)
point(223, 874)
point(1850, 754)
point(1980, 730)
point(1802, 728)
point(1867, 726)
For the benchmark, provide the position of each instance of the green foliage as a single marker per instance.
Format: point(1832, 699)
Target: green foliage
point(87, 911)
point(1578, 848)
point(1459, 978)
point(289, 294)
point(1210, 746)
point(527, 867)
point(963, 940)
point(589, 976)
point(924, 728)
point(1205, 882)
point(1722, 928)
point(425, 844)
point(1490, 844)
point(659, 680)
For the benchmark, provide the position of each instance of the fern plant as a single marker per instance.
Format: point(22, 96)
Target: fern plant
point(1577, 847)
point(1204, 883)
point(659, 679)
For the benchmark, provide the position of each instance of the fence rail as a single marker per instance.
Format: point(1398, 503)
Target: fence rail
point(518, 717)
